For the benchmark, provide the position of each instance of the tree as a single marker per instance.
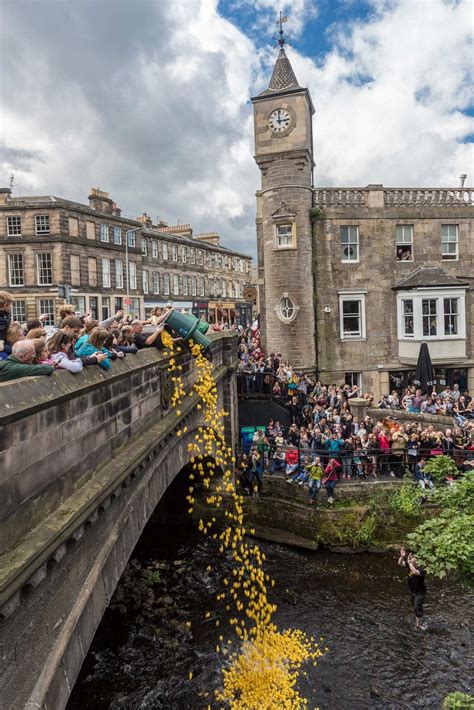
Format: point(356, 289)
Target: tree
point(440, 467)
point(445, 543)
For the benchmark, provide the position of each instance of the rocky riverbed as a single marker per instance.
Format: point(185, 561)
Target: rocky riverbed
point(145, 649)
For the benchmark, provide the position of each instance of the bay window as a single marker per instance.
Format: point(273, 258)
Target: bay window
point(437, 314)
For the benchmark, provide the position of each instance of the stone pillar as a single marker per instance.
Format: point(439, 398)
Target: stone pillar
point(358, 407)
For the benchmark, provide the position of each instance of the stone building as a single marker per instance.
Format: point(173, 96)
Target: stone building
point(53, 249)
point(352, 280)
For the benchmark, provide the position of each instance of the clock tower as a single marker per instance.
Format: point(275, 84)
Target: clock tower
point(284, 153)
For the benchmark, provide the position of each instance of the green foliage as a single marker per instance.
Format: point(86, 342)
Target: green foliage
point(458, 701)
point(315, 213)
point(365, 533)
point(440, 467)
point(151, 578)
point(445, 543)
point(407, 500)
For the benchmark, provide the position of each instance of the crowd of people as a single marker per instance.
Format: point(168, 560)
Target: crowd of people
point(74, 342)
point(326, 443)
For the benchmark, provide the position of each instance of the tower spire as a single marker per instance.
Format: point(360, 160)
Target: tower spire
point(283, 76)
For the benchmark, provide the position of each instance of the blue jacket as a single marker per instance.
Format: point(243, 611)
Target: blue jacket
point(86, 348)
point(5, 320)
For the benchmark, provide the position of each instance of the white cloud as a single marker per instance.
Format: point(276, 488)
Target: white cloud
point(149, 101)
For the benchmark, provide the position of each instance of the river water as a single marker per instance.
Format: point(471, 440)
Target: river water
point(143, 650)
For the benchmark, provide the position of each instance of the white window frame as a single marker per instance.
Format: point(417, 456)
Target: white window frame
point(343, 245)
point(185, 286)
point(132, 272)
point(166, 254)
point(39, 267)
point(447, 239)
point(355, 379)
point(184, 255)
point(202, 287)
point(174, 252)
point(286, 308)
point(352, 296)
point(145, 281)
point(199, 258)
point(14, 225)
point(144, 247)
point(131, 238)
point(154, 249)
point(117, 235)
point(118, 273)
point(106, 279)
point(166, 284)
point(48, 306)
point(192, 256)
point(155, 280)
point(438, 294)
point(404, 238)
point(408, 336)
point(12, 268)
point(176, 284)
point(19, 311)
point(284, 239)
point(104, 233)
point(42, 224)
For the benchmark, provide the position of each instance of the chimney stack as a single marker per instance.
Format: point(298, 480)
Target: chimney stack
point(100, 201)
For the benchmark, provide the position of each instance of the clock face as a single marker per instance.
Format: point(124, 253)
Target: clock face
point(279, 120)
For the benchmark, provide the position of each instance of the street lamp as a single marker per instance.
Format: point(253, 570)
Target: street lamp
point(129, 231)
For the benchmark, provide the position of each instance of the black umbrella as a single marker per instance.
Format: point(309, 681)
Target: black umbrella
point(425, 375)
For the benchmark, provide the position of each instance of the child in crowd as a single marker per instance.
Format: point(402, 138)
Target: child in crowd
point(6, 301)
point(60, 347)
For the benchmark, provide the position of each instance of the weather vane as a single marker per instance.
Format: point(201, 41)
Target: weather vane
point(281, 39)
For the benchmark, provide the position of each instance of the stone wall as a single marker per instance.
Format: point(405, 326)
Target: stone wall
point(85, 460)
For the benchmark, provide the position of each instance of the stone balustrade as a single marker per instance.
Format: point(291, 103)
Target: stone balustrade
point(393, 197)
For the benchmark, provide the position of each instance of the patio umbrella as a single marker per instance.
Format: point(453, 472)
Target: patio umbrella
point(424, 376)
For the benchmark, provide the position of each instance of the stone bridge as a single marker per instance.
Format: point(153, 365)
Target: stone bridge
point(84, 460)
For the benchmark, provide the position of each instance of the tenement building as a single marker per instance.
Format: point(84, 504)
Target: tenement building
point(53, 250)
point(352, 280)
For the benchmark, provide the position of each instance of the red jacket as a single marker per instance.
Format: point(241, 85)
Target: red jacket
point(330, 472)
point(291, 456)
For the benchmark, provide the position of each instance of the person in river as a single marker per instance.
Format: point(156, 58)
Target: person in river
point(416, 584)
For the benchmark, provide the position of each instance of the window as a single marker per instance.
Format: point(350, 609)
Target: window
point(132, 268)
point(118, 303)
point(94, 306)
point(183, 255)
point(14, 226)
point(218, 261)
point(224, 289)
point(19, 311)
point(430, 316)
point(156, 282)
point(176, 284)
point(90, 230)
point(284, 236)
point(79, 303)
point(350, 243)
point(92, 270)
point(154, 248)
point(145, 281)
point(451, 315)
point(193, 286)
point(118, 274)
point(192, 256)
point(42, 223)
point(73, 227)
point(165, 251)
point(404, 242)
point(131, 237)
point(202, 286)
point(286, 309)
point(105, 307)
point(200, 260)
point(166, 284)
point(44, 269)
point(185, 285)
point(449, 241)
point(75, 270)
point(408, 318)
point(16, 275)
point(117, 235)
point(106, 273)
point(229, 289)
point(441, 316)
point(144, 247)
point(209, 259)
point(104, 232)
point(46, 305)
point(174, 252)
point(353, 379)
point(352, 316)
point(135, 307)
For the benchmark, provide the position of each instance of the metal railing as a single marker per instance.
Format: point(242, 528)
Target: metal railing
point(357, 464)
point(260, 385)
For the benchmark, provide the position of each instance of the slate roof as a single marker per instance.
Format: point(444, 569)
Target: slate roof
point(426, 275)
point(283, 76)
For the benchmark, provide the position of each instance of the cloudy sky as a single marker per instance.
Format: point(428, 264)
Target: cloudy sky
point(149, 99)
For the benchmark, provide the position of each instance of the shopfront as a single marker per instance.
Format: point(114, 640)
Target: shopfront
point(401, 379)
point(221, 312)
